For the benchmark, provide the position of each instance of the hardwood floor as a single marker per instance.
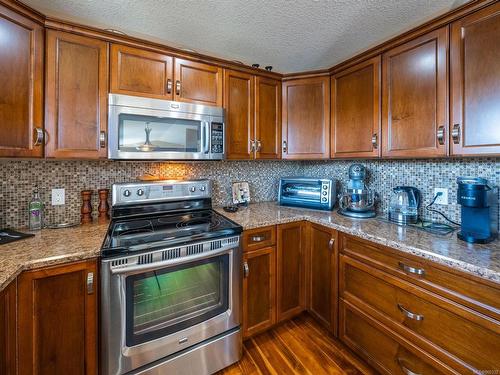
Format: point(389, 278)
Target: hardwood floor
point(298, 346)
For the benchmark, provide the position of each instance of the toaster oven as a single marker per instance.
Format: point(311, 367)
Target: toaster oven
point(307, 192)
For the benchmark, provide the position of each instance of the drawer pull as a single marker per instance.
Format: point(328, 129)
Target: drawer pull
point(455, 134)
point(90, 283)
point(39, 137)
point(331, 243)
point(258, 238)
point(405, 369)
point(409, 314)
point(102, 139)
point(409, 269)
point(246, 270)
point(440, 135)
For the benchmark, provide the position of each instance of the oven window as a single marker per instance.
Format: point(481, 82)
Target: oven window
point(149, 134)
point(302, 190)
point(171, 299)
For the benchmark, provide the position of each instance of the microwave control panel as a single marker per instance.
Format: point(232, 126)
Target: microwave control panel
point(217, 138)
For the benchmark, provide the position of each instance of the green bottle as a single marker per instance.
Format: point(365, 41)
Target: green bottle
point(36, 211)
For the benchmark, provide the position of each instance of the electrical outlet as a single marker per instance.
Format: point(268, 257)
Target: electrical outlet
point(58, 197)
point(443, 198)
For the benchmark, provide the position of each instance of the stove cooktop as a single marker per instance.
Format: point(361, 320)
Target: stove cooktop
point(127, 235)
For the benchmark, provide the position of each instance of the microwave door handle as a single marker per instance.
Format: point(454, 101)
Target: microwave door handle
point(206, 141)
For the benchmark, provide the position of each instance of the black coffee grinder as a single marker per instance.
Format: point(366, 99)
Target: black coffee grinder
point(479, 210)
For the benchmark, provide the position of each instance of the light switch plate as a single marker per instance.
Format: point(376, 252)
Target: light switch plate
point(58, 197)
point(442, 199)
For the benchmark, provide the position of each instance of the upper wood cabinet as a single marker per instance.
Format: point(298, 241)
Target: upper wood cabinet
point(239, 117)
point(355, 112)
point(8, 326)
point(267, 118)
point(76, 96)
point(475, 83)
point(140, 72)
point(57, 320)
point(290, 270)
point(414, 102)
point(197, 82)
point(306, 118)
point(21, 88)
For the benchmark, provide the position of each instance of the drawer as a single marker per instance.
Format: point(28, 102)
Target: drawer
point(258, 238)
point(467, 340)
point(469, 290)
point(382, 348)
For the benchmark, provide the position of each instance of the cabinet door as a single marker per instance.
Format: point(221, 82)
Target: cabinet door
point(259, 290)
point(306, 118)
point(323, 276)
point(290, 270)
point(21, 88)
point(8, 324)
point(57, 316)
point(267, 118)
point(76, 96)
point(142, 73)
point(355, 111)
point(414, 103)
point(239, 106)
point(475, 83)
point(198, 83)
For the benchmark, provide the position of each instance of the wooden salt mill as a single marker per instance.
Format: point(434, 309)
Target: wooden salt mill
point(103, 206)
point(86, 210)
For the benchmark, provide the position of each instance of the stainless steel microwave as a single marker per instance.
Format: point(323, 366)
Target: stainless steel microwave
point(155, 129)
point(307, 192)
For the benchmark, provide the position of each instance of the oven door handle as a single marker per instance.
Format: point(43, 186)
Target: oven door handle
point(206, 139)
point(172, 262)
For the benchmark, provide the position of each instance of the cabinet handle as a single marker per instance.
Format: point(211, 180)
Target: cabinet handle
point(409, 314)
point(331, 243)
point(408, 269)
point(246, 270)
point(169, 86)
point(259, 145)
point(440, 135)
point(285, 147)
point(39, 137)
point(252, 145)
point(258, 238)
point(375, 140)
point(455, 134)
point(102, 139)
point(405, 369)
point(90, 283)
point(177, 87)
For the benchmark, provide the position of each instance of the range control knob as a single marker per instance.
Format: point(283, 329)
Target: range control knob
point(324, 193)
point(140, 192)
point(324, 199)
point(126, 193)
point(325, 187)
point(192, 189)
point(203, 188)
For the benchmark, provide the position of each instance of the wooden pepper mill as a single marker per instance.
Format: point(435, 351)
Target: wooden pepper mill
point(86, 210)
point(103, 206)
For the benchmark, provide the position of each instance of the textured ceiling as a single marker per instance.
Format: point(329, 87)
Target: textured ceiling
point(291, 35)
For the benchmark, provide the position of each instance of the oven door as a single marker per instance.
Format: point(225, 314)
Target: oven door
point(155, 310)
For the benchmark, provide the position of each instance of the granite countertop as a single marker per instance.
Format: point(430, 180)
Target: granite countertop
point(481, 260)
point(49, 247)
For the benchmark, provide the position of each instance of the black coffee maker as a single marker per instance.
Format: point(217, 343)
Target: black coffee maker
point(479, 210)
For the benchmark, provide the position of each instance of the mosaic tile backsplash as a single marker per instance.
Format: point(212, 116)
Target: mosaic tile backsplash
point(18, 178)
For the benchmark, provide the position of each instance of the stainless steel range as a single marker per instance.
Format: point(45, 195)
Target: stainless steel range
point(170, 283)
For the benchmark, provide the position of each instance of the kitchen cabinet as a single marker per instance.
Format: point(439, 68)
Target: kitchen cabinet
point(139, 72)
point(239, 104)
point(323, 276)
point(57, 320)
point(291, 284)
point(306, 118)
point(76, 96)
point(267, 118)
point(21, 88)
point(259, 290)
point(8, 325)
point(197, 82)
point(414, 99)
point(475, 82)
point(355, 111)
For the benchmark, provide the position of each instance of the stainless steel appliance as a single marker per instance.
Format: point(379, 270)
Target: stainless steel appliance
point(155, 129)
point(404, 203)
point(357, 200)
point(307, 192)
point(170, 282)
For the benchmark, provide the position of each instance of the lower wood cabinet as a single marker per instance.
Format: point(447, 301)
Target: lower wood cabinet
point(8, 323)
point(323, 276)
point(259, 290)
point(57, 320)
